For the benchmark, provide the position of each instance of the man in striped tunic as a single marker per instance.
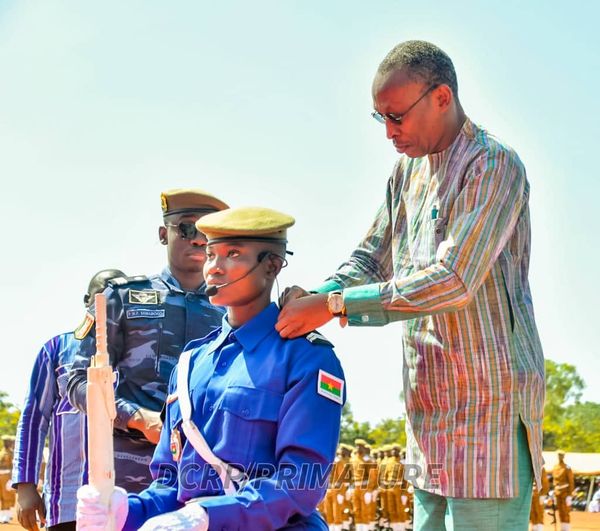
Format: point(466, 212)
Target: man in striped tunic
point(448, 256)
point(47, 412)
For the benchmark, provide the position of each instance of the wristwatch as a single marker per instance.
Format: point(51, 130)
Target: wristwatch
point(335, 304)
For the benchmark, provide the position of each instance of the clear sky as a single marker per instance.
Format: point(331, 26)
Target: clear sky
point(106, 104)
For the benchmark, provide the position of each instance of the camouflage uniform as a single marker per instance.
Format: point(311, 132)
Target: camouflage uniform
point(149, 322)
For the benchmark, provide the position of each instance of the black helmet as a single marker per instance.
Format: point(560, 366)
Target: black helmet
point(98, 283)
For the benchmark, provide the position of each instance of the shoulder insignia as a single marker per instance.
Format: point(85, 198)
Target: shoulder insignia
point(119, 282)
point(330, 386)
point(146, 296)
point(317, 338)
point(84, 328)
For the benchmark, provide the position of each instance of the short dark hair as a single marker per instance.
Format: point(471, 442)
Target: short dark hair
point(424, 61)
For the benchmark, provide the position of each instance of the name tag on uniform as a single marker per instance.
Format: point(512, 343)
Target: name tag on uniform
point(144, 313)
point(147, 296)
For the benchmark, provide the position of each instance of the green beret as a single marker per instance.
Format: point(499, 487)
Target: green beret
point(247, 223)
point(182, 201)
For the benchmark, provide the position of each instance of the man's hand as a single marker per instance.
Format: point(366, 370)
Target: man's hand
point(30, 506)
point(192, 517)
point(93, 515)
point(290, 294)
point(148, 422)
point(303, 315)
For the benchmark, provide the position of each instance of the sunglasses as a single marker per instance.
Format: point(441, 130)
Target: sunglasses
point(186, 231)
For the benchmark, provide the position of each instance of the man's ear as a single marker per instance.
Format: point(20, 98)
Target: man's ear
point(162, 235)
point(443, 97)
point(274, 265)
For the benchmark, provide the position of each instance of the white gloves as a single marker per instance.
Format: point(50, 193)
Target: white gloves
point(367, 497)
point(340, 499)
point(569, 500)
point(192, 517)
point(349, 493)
point(93, 515)
point(542, 500)
point(374, 495)
point(404, 499)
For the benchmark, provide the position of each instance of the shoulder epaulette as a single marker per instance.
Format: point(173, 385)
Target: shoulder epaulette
point(316, 338)
point(119, 282)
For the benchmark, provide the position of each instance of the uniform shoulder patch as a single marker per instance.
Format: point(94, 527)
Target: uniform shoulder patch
point(145, 296)
point(330, 386)
point(84, 328)
point(316, 338)
point(119, 282)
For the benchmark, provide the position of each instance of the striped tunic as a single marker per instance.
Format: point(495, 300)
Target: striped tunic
point(47, 412)
point(448, 255)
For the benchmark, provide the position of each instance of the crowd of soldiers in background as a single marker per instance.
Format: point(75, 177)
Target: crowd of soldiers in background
point(367, 489)
point(368, 492)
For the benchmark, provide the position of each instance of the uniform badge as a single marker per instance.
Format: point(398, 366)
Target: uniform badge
point(330, 386)
point(163, 202)
point(84, 328)
point(148, 296)
point(175, 444)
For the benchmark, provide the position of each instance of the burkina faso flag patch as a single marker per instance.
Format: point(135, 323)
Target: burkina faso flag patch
point(330, 386)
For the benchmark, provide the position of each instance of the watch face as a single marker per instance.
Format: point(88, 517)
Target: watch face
point(336, 303)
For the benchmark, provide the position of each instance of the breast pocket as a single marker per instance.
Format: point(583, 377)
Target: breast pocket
point(144, 331)
point(424, 240)
point(250, 417)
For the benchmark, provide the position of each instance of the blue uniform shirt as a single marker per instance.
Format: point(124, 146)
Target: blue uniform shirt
point(47, 411)
point(263, 405)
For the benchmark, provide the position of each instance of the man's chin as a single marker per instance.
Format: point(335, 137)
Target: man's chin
point(193, 267)
point(409, 150)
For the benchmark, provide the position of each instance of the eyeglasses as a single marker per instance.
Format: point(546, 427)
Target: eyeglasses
point(186, 231)
point(397, 118)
